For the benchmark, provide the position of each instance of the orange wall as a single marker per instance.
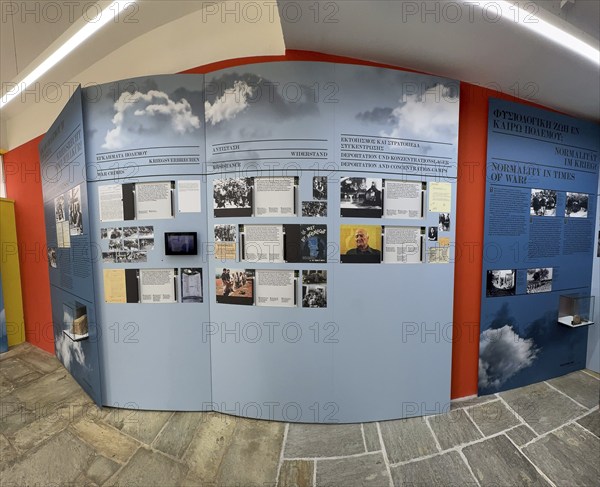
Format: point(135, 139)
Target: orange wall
point(24, 186)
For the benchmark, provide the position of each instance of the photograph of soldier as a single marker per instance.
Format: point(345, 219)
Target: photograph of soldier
point(146, 237)
point(539, 280)
point(130, 238)
point(75, 216)
point(314, 208)
point(543, 202)
point(115, 239)
point(314, 296)
point(501, 282)
point(59, 208)
point(320, 187)
point(444, 224)
point(577, 205)
point(234, 286)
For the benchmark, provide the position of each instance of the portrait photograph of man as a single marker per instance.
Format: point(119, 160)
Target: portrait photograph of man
point(360, 244)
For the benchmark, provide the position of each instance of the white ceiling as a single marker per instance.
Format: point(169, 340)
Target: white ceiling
point(163, 36)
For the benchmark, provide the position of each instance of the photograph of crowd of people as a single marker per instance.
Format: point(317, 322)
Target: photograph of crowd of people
point(75, 215)
point(543, 202)
point(444, 224)
point(232, 197)
point(361, 197)
point(235, 286)
point(577, 205)
point(224, 233)
point(539, 280)
point(314, 296)
point(127, 244)
point(314, 208)
point(501, 282)
point(320, 187)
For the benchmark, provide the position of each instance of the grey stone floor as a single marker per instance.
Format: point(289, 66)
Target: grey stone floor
point(52, 434)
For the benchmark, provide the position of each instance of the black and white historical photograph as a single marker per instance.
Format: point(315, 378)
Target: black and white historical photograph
point(130, 239)
point(501, 282)
point(539, 280)
point(432, 234)
point(444, 224)
point(52, 257)
point(59, 208)
point(75, 215)
point(146, 237)
point(320, 187)
point(104, 233)
point(314, 276)
point(224, 233)
point(115, 238)
point(314, 296)
point(314, 208)
point(191, 285)
point(232, 197)
point(577, 205)
point(130, 257)
point(360, 193)
point(543, 202)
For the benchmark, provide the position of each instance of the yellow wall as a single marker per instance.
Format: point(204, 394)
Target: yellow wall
point(11, 276)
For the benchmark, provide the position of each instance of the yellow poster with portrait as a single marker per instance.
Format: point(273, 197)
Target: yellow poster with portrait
point(360, 243)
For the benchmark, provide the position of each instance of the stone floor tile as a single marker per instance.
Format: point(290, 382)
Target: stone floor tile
point(34, 433)
point(141, 425)
point(567, 456)
point(493, 417)
point(7, 453)
point(406, 439)
point(496, 461)
point(15, 351)
point(6, 386)
point(591, 422)
point(41, 360)
point(365, 471)
point(579, 386)
point(55, 387)
point(83, 481)
point(323, 440)
point(60, 461)
point(106, 440)
point(453, 429)
point(101, 469)
point(542, 407)
point(296, 473)
point(521, 435)
point(177, 435)
point(471, 401)
point(148, 469)
point(593, 373)
point(253, 453)
point(208, 446)
point(371, 437)
point(14, 415)
point(438, 470)
point(14, 369)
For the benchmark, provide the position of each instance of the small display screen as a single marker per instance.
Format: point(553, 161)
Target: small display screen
point(181, 243)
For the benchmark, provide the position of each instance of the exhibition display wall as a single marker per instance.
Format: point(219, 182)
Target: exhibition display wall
point(537, 302)
point(265, 241)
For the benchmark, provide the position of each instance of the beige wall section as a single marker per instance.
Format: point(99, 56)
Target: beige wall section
point(194, 40)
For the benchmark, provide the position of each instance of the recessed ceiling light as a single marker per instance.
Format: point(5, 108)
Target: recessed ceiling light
point(92, 26)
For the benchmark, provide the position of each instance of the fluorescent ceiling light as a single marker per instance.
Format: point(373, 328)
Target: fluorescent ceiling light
point(90, 27)
point(526, 18)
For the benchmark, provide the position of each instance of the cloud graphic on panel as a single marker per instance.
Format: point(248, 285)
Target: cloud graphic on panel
point(68, 351)
point(430, 115)
point(151, 112)
point(226, 107)
point(502, 354)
